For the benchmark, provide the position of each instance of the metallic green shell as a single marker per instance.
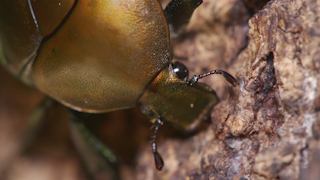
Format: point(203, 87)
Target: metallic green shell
point(93, 56)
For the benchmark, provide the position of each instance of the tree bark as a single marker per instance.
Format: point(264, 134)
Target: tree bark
point(268, 127)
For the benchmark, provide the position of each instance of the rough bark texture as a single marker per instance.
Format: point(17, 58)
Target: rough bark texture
point(269, 126)
point(266, 128)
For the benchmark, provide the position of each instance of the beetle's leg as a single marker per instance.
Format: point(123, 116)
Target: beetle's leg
point(34, 122)
point(226, 75)
point(39, 112)
point(98, 158)
point(37, 117)
point(178, 13)
point(157, 157)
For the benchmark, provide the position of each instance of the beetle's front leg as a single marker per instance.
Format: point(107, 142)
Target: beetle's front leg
point(99, 159)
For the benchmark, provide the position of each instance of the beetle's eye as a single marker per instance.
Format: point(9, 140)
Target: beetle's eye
point(180, 70)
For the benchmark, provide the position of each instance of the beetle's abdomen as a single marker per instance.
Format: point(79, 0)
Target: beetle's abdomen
point(103, 55)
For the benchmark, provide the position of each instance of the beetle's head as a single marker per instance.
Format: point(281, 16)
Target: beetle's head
point(171, 97)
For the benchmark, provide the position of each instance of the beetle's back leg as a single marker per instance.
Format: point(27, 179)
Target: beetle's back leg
point(36, 118)
point(98, 158)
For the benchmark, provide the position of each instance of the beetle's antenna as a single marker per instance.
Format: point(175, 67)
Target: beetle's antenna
point(157, 157)
point(226, 75)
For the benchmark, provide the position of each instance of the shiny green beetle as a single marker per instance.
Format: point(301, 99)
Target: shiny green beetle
point(101, 56)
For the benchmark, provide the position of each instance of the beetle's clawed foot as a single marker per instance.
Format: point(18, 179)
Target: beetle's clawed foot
point(226, 75)
point(158, 161)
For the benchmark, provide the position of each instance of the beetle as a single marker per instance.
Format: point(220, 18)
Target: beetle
point(102, 56)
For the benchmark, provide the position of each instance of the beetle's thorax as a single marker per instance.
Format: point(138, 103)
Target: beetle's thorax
point(173, 100)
